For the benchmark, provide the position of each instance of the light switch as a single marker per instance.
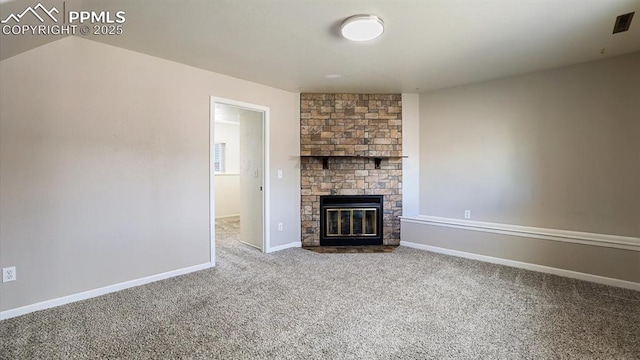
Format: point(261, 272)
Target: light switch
point(279, 174)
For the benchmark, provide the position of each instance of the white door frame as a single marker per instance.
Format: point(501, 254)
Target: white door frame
point(266, 190)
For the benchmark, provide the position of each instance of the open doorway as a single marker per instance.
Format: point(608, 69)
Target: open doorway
point(238, 169)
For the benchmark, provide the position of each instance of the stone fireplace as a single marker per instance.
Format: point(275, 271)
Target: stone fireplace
point(351, 146)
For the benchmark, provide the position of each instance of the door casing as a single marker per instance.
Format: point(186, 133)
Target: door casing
point(266, 173)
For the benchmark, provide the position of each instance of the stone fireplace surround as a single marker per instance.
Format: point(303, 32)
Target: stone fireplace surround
point(348, 132)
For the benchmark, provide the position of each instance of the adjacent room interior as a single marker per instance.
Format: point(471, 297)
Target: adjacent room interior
point(243, 179)
point(238, 166)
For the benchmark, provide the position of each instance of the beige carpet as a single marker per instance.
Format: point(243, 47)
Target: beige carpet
point(297, 304)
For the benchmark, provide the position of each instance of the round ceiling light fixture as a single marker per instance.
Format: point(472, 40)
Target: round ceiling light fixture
point(362, 27)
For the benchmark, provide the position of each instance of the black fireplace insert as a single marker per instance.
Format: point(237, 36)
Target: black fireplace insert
point(351, 220)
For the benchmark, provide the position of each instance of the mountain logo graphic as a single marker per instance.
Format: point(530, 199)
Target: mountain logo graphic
point(34, 11)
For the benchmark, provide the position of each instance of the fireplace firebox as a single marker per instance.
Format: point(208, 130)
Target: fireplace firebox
point(351, 220)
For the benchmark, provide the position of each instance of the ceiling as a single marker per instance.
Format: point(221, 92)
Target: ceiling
point(294, 44)
point(229, 114)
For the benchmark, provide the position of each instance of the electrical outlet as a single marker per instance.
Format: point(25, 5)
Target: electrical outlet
point(280, 226)
point(9, 274)
point(467, 214)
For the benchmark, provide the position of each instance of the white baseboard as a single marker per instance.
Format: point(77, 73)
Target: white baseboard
point(252, 245)
point(227, 216)
point(295, 244)
point(7, 314)
point(528, 266)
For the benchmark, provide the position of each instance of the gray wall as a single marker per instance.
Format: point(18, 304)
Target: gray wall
point(557, 149)
point(410, 149)
point(104, 166)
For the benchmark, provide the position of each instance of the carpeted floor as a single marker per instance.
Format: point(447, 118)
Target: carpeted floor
point(298, 304)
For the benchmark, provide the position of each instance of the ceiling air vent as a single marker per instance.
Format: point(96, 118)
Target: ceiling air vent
point(623, 22)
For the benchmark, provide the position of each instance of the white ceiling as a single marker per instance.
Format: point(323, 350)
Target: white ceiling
point(229, 114)
point(427, 44)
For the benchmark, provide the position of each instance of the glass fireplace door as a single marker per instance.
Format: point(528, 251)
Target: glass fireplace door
point(351, 222)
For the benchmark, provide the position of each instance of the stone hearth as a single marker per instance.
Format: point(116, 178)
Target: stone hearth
point(348, 132)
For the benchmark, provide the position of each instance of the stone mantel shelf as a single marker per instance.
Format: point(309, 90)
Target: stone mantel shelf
point(377, 158)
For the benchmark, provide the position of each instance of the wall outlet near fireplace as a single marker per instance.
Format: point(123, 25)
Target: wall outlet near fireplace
point(467, 214)
point(9, 274)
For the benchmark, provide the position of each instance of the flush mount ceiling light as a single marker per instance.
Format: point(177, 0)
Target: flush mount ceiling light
point(362, 27)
